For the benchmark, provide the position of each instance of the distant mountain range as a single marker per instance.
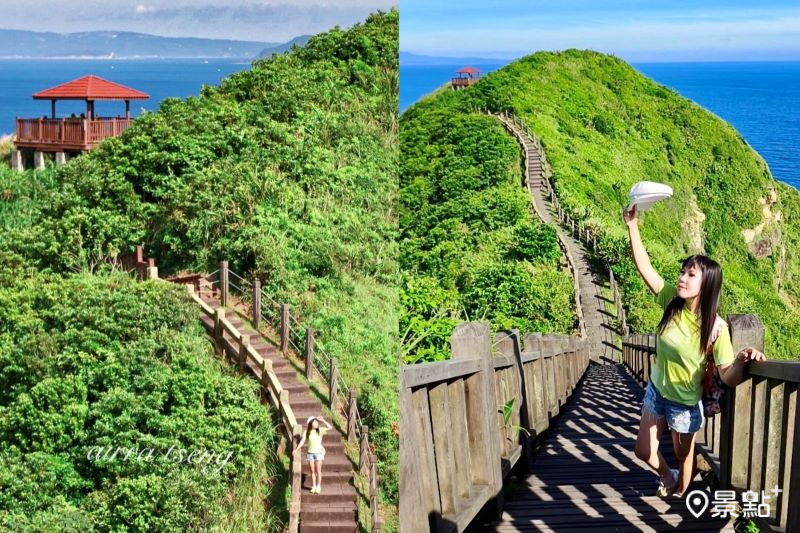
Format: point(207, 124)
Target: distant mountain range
point(408, 59)
point(285, 47)
point(130, 45)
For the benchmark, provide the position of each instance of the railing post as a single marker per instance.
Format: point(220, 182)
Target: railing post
point(219, 314)
point(152, 270)
point(309, 367)
point(284, 328)
point(266, 369)
point(296, 473)
point(363, 451)
point(333, 385)
point(746, 330)
point(351, 417)
point(223, 282)
point(508, 343)
point(373, 493)
point(472, 340)
point(256, 304)
point(244, 343)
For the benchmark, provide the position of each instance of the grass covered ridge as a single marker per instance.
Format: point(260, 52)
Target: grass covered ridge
point(604, 127)
point(470, 246)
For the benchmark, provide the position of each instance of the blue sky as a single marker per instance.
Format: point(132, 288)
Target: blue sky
point(247, 20)
point(634, 30)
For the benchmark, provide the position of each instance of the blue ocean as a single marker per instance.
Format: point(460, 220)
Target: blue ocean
point(761, 100)
point(20, 78)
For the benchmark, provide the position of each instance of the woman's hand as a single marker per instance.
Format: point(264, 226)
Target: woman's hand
point(632, 216)
point(750, 354)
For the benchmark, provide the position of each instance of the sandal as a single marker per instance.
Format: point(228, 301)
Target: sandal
point(666, 490)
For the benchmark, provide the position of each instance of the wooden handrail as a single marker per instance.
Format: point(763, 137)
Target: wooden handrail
point(240, 351)
point(455, 446)
point(754, 443)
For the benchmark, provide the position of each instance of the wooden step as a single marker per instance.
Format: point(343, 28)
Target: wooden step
point(329, 478)
point(319, 511)
point(314, 526)
point(335, 509)
point(338, 494)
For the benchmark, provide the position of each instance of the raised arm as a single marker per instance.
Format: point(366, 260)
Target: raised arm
point(651, 278)
point(324, 422)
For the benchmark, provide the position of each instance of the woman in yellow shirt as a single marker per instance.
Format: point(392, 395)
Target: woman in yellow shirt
point(689, 326)
point(316, 452)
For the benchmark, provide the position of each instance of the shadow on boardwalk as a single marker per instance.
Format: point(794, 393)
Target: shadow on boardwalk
point(586, 475)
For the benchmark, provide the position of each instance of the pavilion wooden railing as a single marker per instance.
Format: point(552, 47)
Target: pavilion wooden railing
point(75, 131)
point(754, 443)
point(463, 82)
point(293, 335)
point(457, 442)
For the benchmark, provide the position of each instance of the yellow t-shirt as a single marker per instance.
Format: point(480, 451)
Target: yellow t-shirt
point(680, 364)
point(315, 441)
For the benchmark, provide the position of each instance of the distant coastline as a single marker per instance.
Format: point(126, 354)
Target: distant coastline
point(121, 58)
point(111, 45)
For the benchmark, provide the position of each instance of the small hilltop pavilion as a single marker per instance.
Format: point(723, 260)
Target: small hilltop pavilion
point(72, 135)
point(465, 77)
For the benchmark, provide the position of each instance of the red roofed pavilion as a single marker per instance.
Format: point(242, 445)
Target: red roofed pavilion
point(74, 134)
point(466, 77)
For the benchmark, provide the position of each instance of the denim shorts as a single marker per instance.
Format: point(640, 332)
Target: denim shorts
point(315, 456)
point(679, 417)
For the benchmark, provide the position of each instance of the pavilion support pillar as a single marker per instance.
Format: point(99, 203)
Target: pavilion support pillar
point(16, 161)
point(61, 158)
point(38, 160)
point(52, 109)
point(128, 109)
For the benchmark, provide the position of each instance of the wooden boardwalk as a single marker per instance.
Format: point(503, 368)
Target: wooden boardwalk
point(586, 475)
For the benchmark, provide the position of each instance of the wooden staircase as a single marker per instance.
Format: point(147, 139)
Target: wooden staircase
point(335, 509)
point(589, 281)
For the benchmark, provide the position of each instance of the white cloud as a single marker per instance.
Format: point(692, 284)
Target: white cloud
point(142, 9)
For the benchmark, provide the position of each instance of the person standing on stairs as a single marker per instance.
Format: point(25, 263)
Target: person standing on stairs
point(316, 452)
point(689, 328)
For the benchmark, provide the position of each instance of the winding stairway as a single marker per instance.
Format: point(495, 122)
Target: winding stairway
point(335, 509)
point(586, 475)
point(599, 330)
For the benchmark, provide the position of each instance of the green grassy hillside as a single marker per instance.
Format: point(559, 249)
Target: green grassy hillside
point(470, 246)
point(604, 127)
point(287, 170)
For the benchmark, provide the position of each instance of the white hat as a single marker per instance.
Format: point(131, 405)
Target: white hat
point(645, 193)
point(309, 419)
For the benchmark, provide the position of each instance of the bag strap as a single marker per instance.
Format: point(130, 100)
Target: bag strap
point(718, 324)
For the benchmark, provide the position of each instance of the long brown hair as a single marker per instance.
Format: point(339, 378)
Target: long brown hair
point(309, 428)
point(710, 289)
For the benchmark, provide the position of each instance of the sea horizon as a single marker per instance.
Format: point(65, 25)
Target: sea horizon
point(160, 78)
point(760, 99)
